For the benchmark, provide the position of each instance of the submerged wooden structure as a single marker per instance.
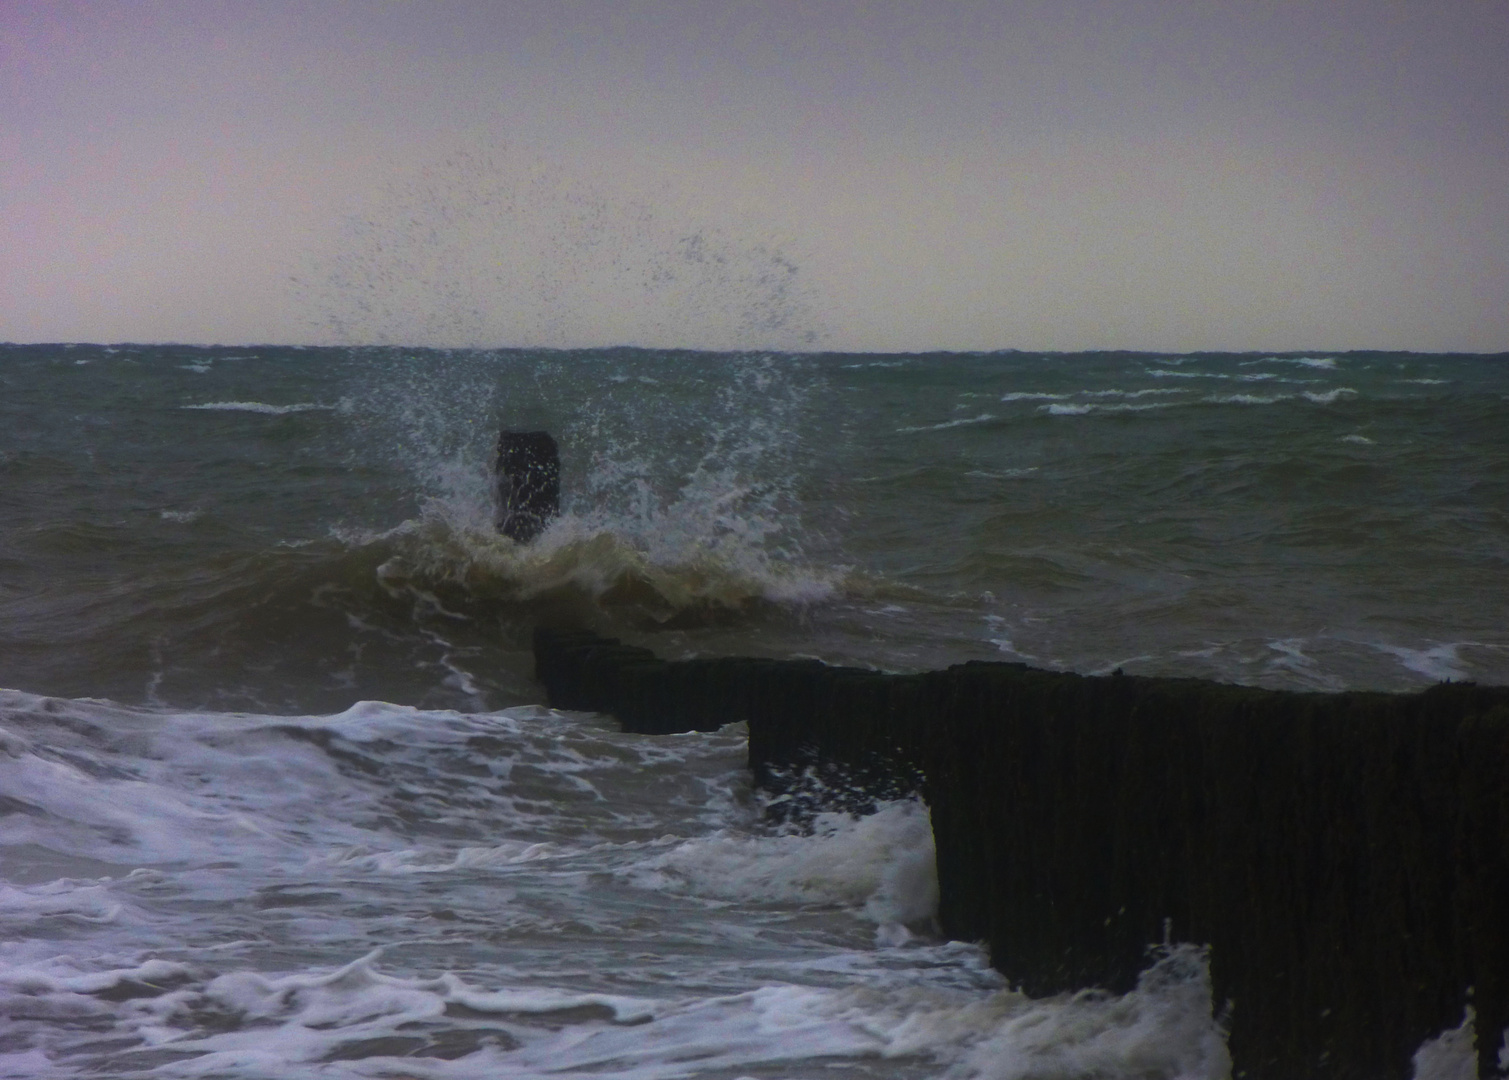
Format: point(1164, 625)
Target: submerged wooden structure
point(527, 472)
point(1344, 856)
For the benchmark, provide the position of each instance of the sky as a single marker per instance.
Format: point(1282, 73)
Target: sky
point(1263, 175)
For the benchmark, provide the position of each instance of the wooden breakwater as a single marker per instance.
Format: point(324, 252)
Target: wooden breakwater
point(1344, 856)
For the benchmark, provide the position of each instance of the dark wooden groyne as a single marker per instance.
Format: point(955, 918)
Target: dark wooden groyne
point(1344, 856)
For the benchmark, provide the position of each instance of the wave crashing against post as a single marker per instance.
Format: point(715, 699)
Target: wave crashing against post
point(237, 575)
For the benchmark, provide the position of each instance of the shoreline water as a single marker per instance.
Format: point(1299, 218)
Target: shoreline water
point(273, 700)
point(1074, 817)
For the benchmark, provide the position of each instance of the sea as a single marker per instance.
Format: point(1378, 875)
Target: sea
point(281, 798)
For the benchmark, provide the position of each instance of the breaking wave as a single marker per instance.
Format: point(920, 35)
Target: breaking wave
point(261, 407)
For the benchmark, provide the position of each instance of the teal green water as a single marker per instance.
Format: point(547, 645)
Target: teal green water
point(277, 798)
point(296, 529)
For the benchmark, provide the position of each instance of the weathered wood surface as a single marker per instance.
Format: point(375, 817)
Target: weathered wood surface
point(1344, 856)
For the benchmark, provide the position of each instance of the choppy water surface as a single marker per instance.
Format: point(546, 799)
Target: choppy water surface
point(278, 797)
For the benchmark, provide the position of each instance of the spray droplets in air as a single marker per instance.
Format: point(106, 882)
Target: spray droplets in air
point(489, 250)
point(713, 479)
point(681, 474)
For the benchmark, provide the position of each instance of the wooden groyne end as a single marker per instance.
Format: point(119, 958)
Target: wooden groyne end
point(1344, 856)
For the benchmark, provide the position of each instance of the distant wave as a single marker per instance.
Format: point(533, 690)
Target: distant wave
point(1081, 410)
point(1262, 376)
point(1325, 362)
point(1326, 397)
point(1164, 373)
point(1247, 399)
point(1133, 393)
point(261, 407)
point(981, 419)
point(1076, 410)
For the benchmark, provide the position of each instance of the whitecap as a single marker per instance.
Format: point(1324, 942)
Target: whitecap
point(1133, 393)
point(1329, 397)
point(1081, 410)
point(981, 419)
point(1247, 399)
point(1164, 373)
point(260, 407)
point(1323, 362)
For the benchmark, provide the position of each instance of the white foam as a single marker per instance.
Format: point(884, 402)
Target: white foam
point(1439, 662)
point(1452, 1055)
point(619, 910)
point(1162, 1028)
point(65, 900)
point(1256, 376)
point(59, 974)
point(261, 407)
point(1027, 395)
point(1247, 399)
point(1324, 363)
point(1291, 655)
point(1164, 373)
point(1329, 397)
point(645, 529)
point(983, 418)
point(881, 864)
point(1081, 410)
point(1133, 393)
point(1326, 397)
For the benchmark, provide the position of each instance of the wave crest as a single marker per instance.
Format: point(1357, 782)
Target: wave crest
point(578, 562)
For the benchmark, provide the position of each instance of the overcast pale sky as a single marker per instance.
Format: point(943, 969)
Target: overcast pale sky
point(1077, 174)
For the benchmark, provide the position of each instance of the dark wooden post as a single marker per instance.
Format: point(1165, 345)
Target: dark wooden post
point(529, 483)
